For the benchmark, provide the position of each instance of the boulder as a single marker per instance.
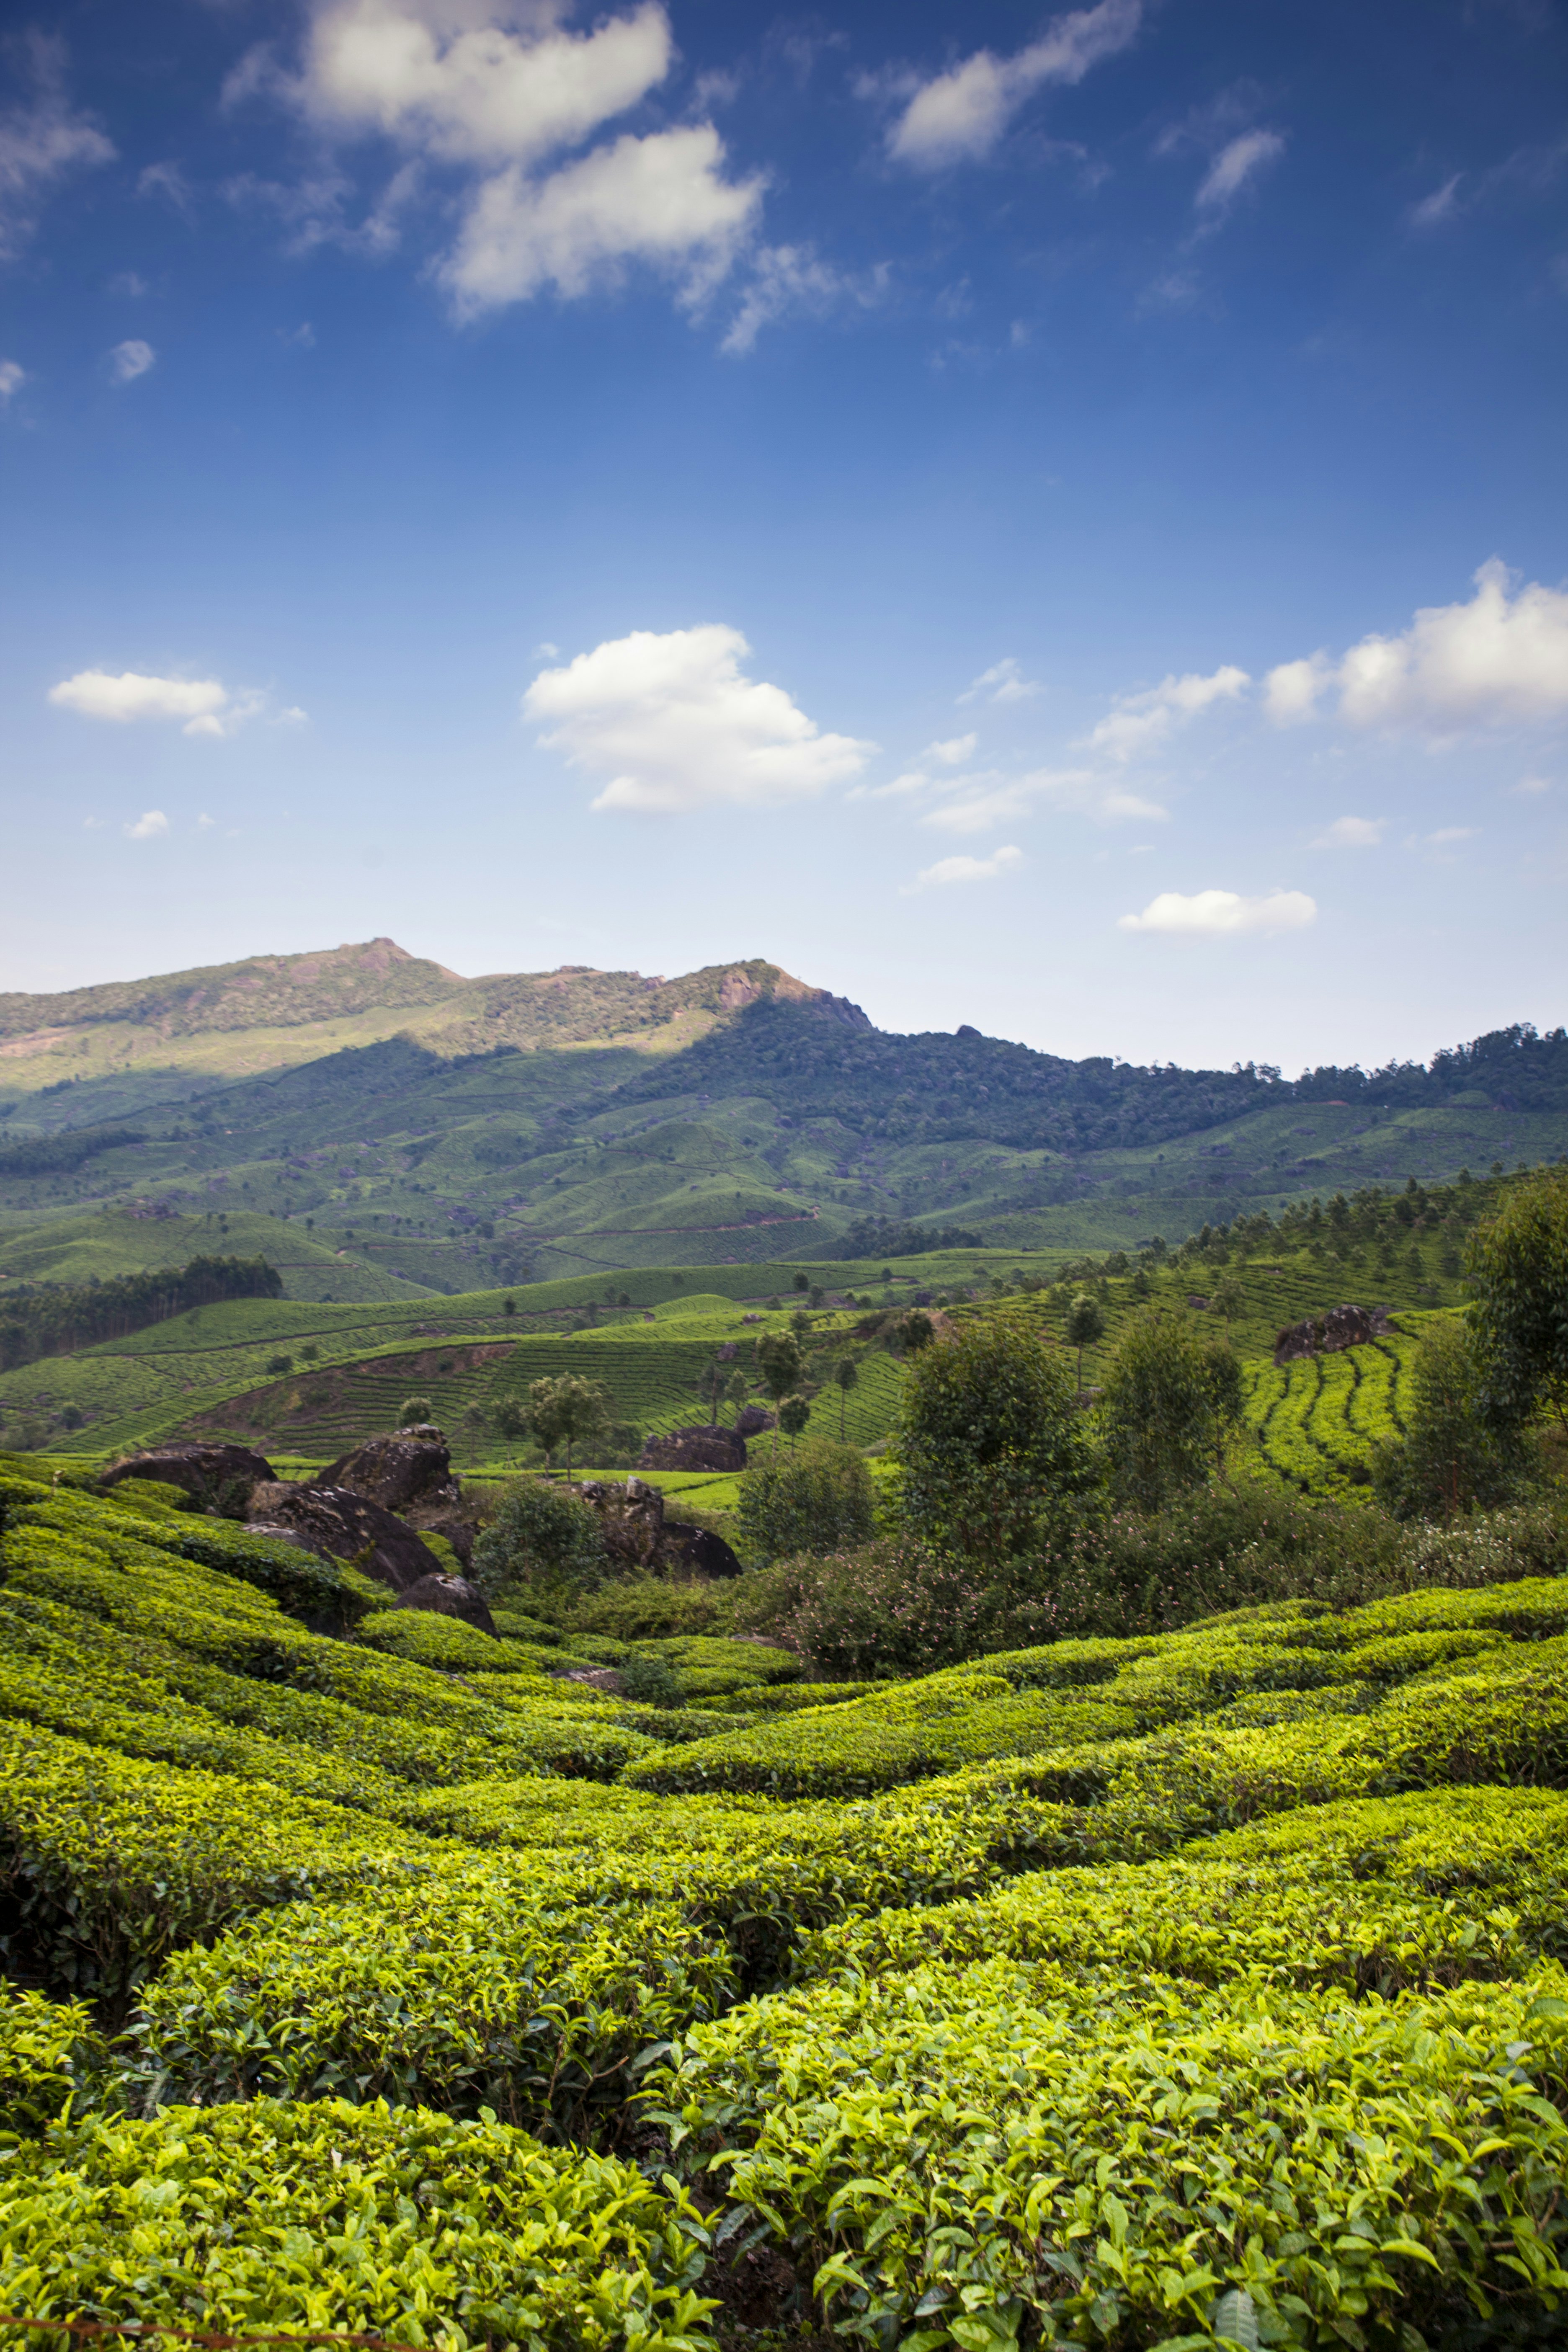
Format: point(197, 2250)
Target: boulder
point(631, 1513)
point(203, 1471)
point(696, 1550)
point(444, 1521)
point(752, 1420)
point(699, 1448)
point(1326, 1334)
point(340, 1525)
point(451, 1596)
point(411, 1466)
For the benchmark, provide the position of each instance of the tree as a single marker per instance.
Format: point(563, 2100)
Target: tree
point(1172, 1397)
point(916, 1331)
point(780, 1360)
point(1085, 1325)
point(844, 1375)
point(1449, 1460)
point(1518, 1262)
point(564, 1411)
point(802, 1282)
point(794, 1414)
point(414, 1412)
point(1230, 1298)
point(989, 1444)
point(510, 1422)
point(474, 1422)
point(542, 1538)
point(820, 1500)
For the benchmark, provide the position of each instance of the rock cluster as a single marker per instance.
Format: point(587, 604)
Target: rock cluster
point(1326, 1334)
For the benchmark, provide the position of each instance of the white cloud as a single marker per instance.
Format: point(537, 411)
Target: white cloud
point(1352, 833)
point(168, 181)
point(787, 278)
point(1440, 206)
point(204, 823)
point(1501, 659)
point(675, 725)
point(1140, 721)
point(1447, 833)
point(960, 116)
point(1003, 682)
point(1238, 160)
point(1219, 913)
point(966, 869)
point(659, 199)
point(953, 753)
point(979, 804)
point(495, 89)
point(147, 827)
point(1531, 787)
point(203, 705)
point(129, 360)
point(12, 378)
point(42, 140)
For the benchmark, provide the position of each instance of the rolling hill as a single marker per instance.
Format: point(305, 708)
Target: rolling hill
point(381, 1127)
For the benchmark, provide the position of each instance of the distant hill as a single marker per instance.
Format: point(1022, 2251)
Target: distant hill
point(380, 1126)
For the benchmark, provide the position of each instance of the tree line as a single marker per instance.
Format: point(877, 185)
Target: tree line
point(56, 1321)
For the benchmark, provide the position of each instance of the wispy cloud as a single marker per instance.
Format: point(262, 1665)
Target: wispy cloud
point(960, 116)
point(1352, 833)
point(1003, 682)
point(44, 140)
point(1239, 161)
point(13, 376)
point(1141, 723)
point(966, 869)
point(149, 826)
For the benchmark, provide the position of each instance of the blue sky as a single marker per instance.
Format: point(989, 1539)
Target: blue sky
point(1055, 521)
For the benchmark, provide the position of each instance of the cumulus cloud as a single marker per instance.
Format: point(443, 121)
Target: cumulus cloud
point(203, 705)
point(1238, 160)
point(129, 360)
point(148, 826)
point(1500, 659)
point(959, 117)
point(660, 199)
point(12, 378)
point(953, 753)
point(1218, 913)
point(1352, 833)
point(675, 725)
point(1141, 723)
point(1003, 682)
point(966, 869)
point(43, 140)
point(500, 92)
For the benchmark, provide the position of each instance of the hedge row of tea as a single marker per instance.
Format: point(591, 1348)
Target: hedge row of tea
point(362, 1976)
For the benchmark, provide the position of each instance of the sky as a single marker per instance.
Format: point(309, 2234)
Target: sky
point(1050, 521)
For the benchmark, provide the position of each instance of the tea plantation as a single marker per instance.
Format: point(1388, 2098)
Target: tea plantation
point(361, 1976)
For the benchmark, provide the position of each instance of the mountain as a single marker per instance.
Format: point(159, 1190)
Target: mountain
point(398, 1128)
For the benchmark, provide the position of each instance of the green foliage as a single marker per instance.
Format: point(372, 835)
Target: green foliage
point(821, 1500)
point(1085, 1325)
point(1451, 1460)
point(566, 1411)
point(990, 1443)
point(54, 1322)
point(414, 1412)
point(1171, 1399)
point(368, 2218)
point(635, 1608)
point(1517, 1262)
point(51, 2061)
point(547, 1543)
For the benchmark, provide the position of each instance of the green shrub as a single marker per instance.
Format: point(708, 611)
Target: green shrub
point(633, 1608)
point(270, 2215)
point(990, 1445)
point(543, 1541)
point(1450, 1461)
point(819, 1499)
point(52, 2063)
point(999, 2147)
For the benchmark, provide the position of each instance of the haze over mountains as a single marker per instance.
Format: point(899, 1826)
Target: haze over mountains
point(418, 1130)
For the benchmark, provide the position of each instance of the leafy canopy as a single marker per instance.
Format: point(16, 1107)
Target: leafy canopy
point(990, 1439)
